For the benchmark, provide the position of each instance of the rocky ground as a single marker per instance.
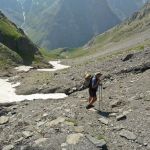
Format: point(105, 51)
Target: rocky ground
point(122, 124)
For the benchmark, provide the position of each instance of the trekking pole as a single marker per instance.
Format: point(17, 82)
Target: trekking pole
point(101, 94)
point(99, 97)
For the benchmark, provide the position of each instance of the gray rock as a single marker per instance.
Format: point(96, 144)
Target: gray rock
point(79, 129)
point(121, 117)
point(64, 145)
point(112, 115)
point(116, 103)
point(8, 147)
point(27, 134)
point(99, 143)
point(104, 121)
point(40, 141)
point(127, 134)
point(147, 97)
point(56, 121)
point(74, 138)
point(118, 128)
point(126, 58)
point(3, 120)
point(19, 140)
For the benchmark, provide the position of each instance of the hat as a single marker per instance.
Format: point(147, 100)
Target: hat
point(87, 75)
point(98, 73)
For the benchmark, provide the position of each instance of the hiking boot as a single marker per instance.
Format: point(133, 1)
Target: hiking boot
point(89, 106)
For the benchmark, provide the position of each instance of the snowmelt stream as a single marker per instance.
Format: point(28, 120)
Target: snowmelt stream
point(7, 89)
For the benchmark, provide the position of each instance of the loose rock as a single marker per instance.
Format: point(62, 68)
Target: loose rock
point(121, 117)
point(8, 147)
point(57, 121)
point(79, 129)
point(99, 143)
point(27, 134)
point(104, 121)
point(3, 120)
point(127, 134)
point(74, 138)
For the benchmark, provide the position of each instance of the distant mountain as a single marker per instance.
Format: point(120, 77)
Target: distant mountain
point(62, 23)
point(15, 40)
point(67, 23)
point(125, 8)
point(139, 22)
point(12, 9)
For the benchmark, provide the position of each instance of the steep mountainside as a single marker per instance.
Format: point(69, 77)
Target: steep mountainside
point(65, 23)
point(138, 23)
point(8, 58)
point(133, 32)
point(125, 8)
point(68, 23)
point(15, 39)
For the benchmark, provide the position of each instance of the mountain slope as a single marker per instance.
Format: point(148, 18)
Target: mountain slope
point(69, 23)
point(65, 23)
point(133, 33)
point(15, 39)
point(8, 57)
point(125, 8)
point(138, 23)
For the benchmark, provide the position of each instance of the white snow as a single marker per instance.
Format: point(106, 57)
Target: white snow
point(56, 66)
point(7, 89)
point(8, 95)
point(23, 68)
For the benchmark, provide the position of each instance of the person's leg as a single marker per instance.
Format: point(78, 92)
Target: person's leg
point(89, 99)
point(93, 100)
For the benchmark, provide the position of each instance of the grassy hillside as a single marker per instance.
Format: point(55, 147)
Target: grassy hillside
point(15, 39)
point(9, 30)
point(8, 58)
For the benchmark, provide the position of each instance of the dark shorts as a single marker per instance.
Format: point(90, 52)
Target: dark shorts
point(92, 92)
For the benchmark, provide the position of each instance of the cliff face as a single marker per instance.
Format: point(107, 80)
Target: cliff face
point(15, 39)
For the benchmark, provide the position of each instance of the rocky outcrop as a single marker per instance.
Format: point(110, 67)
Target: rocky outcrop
point(15, 39)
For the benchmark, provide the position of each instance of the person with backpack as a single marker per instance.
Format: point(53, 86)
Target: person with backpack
point(93, 83)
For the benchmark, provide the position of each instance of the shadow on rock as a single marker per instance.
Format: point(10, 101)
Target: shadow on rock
point(103, 113)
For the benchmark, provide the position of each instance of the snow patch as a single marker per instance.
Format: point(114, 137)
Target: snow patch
point(8, 95)
point(56, 66)
point(23, 68)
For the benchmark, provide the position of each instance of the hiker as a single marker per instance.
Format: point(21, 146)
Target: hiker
point(94, 82)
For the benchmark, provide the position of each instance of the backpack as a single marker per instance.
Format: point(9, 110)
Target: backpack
point(87, 80)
